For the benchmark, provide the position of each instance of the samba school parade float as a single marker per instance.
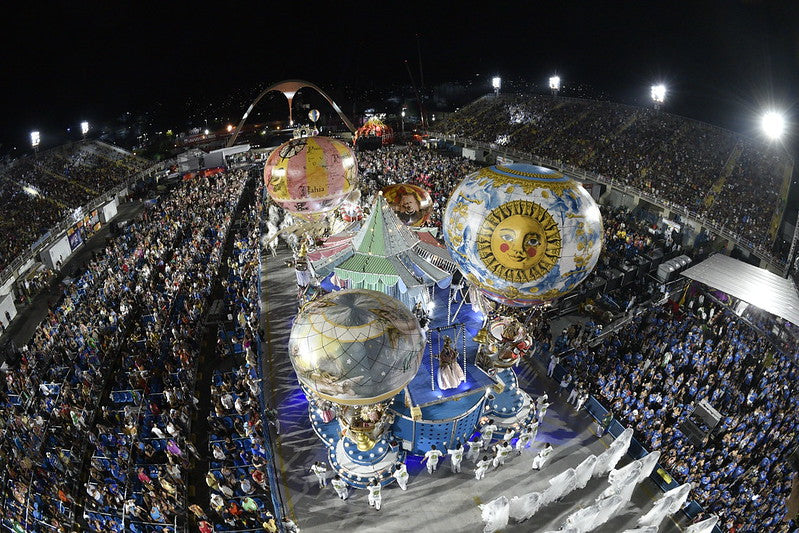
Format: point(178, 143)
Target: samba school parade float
point(391, 360)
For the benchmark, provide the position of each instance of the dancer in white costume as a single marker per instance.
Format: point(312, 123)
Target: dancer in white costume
point(590, 518)
point(668, 504)
point(607, 508)
point(340, 486)
point(475, 446)
point(526, 436)
point(648, 463)
point(456, 457)
point(495, 514)
point(431, 457)
point(375, 494)
point(503, 451)
point(560, 486)
point(541, 400)
point(584, 471)
point(607, 460)
point(509, 433)
point(487, 432)
point(623, 481)
point(705, 526)
point(542, 411)
point(401, 475)
point(320, 471)
point(541, 458)
point(524, 506)
point(581, 401)
point(482, 467)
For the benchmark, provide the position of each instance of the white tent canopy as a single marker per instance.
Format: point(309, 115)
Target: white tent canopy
point(754, 285)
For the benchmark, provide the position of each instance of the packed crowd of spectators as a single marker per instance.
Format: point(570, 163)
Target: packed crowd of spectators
point(652, 371)
point(433, 170)
point(677, 160)
point(142, 446)
point(237, 479)
point(36, 193)
point(126, 325)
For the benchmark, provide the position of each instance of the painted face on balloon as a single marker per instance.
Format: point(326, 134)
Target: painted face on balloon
point(409, 204)
point(519, 241)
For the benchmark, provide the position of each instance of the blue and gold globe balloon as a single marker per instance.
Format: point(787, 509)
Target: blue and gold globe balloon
point(522, 234)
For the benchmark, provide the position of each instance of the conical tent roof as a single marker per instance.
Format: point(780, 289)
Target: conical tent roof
point(385, 253)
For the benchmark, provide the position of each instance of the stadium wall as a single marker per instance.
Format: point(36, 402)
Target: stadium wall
point(58, 251)
point(7, 308)
point(109, 211)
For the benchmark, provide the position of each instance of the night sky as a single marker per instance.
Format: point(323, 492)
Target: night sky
point(722, 61)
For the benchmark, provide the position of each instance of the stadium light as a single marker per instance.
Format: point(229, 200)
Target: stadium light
point(496, 83)
point(773, 124)
point(84, 129)
point(229, 128)
point(554, 84)
point(35, 140)
point(658, 93)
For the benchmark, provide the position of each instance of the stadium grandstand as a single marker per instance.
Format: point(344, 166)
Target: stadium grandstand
point(724, 180)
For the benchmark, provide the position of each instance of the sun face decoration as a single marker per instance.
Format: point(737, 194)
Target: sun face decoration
point(519, 241)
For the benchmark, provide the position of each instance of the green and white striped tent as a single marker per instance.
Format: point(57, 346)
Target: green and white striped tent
point(386, 255)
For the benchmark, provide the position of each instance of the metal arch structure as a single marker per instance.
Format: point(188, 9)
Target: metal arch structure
point(289, 88)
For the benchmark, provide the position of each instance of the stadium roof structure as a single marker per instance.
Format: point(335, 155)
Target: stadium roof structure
point(386, 255)
point(754, 285)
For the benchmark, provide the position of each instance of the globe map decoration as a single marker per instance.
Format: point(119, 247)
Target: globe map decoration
point(310, 176)
point(522, 234)
point(412, 204)
point(356, 346)
point(313, 115)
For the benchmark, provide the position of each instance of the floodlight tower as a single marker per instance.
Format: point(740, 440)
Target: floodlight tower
point(658, 94)
point(35, 140)
point(84, 129)
point(402, 117)
point(554, 85)
point(496, 83)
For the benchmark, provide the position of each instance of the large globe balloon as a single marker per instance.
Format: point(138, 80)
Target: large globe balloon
point(356, 346)
point(411, 203)
point(523, 234)
point(310, 176)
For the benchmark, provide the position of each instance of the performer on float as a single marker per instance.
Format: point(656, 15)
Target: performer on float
point(421, 314)
point(450, 374)
point(456, 457)
point(340, 486)
point(481, 468)
point(432, 457)
point(375, 495)
point(401, 475)
point(541, 458)
point(320, 471)
point(475, 446)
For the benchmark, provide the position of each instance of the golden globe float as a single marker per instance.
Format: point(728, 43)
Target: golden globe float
point(522, 234)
